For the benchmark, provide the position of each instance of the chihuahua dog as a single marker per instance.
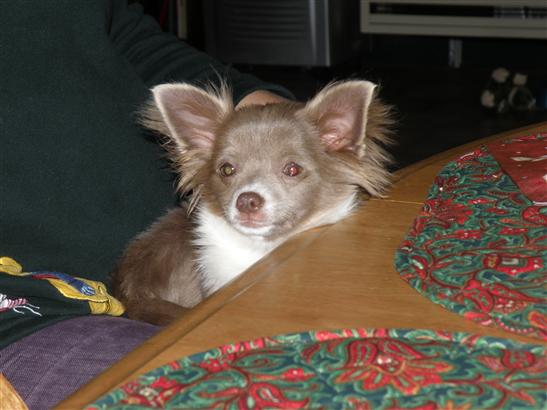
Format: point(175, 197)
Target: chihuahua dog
point(252, 178)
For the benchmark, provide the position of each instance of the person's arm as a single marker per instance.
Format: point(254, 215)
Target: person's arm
point(160, 57)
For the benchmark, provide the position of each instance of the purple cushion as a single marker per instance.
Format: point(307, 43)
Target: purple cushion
point(52, 363)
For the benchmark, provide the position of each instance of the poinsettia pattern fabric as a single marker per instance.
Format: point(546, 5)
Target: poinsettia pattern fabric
point(524, 159)
point(479, 247)
point(351, 368)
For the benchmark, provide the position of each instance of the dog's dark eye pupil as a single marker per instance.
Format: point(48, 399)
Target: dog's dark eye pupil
point(227, 170)
point(292, 169)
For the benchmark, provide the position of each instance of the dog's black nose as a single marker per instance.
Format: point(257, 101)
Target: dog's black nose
point(249, 202)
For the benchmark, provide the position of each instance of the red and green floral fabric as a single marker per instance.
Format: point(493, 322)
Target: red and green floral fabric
point(352, 368)
point(479, 245)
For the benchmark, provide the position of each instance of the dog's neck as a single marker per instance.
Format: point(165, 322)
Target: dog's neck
point(223, 252)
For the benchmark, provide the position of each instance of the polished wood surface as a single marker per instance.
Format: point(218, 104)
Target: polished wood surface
point(339, 276)
point(9, 398)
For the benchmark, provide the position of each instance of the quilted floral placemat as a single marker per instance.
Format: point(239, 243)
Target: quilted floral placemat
point(479, 245)
point(352, 368)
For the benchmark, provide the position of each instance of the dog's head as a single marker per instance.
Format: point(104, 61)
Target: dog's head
point(275, 169)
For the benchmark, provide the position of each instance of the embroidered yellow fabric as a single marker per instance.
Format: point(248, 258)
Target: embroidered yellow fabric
point(100, 302)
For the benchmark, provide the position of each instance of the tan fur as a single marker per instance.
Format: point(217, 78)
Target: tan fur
point(188, 162)
point(145, 273)
point(338, 137)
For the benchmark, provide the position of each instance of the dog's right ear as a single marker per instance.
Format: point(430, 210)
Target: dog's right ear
point(340, 112)
point(192, 115)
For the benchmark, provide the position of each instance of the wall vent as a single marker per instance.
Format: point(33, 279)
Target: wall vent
point(281, 32)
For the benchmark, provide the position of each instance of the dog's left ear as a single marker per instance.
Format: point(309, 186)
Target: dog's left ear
point(340, 113)
point(191, 114)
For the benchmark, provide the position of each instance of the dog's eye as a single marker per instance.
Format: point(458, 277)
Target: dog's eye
point(227, 169)
point(292, 169)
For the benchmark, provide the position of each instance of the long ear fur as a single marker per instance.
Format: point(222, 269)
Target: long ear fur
point(354, 127)
point(371, 171)
point(189, 118)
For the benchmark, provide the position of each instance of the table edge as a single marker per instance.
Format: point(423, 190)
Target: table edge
point(130, 363)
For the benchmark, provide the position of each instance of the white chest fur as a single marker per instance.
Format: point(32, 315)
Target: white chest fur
point(223, 252)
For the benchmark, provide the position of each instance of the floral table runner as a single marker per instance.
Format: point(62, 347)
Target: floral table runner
point(479, 245)
point(351, 368)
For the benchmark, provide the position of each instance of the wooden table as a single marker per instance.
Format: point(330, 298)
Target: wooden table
point(339, 276)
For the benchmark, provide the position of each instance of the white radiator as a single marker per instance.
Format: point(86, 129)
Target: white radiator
point(456, 18)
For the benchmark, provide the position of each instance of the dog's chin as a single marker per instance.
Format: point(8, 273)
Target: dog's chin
point(254, 229)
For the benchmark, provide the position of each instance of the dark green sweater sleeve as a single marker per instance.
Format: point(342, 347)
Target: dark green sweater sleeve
point(78, 177)
point(159, 57)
